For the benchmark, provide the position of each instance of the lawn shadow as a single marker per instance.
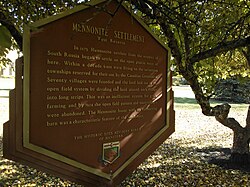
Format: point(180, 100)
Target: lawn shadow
point(222, 157)
point(178, 165)
point(185, 100)
point(169, 164)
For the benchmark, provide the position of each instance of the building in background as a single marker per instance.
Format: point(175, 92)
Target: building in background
point(7, 71)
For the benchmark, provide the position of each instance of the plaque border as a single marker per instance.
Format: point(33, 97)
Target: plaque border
point(26, 94)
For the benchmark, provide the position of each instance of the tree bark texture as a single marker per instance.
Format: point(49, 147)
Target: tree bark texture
point(241, 137)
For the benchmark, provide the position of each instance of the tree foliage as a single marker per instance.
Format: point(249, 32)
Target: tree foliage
point(199, 34)
point(232, 64)
point(15, 13)
point(209, 39)
point(202, 36)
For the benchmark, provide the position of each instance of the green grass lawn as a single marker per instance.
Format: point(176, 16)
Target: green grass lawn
point(190, 103)
point(184, 100)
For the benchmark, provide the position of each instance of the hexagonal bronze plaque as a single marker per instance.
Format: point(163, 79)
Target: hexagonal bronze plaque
point(97, 95)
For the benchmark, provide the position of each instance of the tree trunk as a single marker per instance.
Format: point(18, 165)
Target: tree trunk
point(240, 149)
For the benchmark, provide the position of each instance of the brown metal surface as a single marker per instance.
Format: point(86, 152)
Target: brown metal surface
point(98, 98)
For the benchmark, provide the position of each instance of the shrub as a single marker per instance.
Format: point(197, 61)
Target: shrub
point(233, 90)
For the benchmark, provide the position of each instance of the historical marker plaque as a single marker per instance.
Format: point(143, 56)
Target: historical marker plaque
point(97, 92)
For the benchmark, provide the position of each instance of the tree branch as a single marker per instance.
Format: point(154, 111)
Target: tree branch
point(13, 30)
point(247, 54)
point(248, 119)
point(223, 47)
point(221, 115)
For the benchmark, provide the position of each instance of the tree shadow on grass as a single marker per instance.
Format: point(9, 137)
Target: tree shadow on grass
point(185, 100)
point(170, 165)
point(222, 158)
point(175, 165)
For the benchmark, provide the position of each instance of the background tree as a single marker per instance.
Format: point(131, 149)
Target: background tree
point(201, 35)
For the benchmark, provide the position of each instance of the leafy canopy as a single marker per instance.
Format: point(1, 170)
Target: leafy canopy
point(199, 33)
point(15, 13)
point(207, 38)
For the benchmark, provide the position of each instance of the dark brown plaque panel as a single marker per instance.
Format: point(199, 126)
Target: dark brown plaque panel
point(96, 99)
